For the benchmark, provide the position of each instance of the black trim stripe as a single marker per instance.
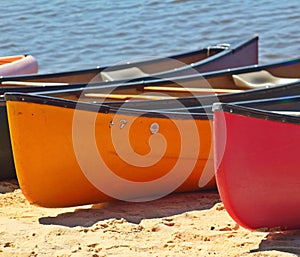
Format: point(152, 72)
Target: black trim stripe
point(29, 98)
point(255, 113)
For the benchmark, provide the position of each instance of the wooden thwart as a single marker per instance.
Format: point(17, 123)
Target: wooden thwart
point(291, 113)
point(127, 97)
point(160, 89)
point(32, 84)
point(192, 90)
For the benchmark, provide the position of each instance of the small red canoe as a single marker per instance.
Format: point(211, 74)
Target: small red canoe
point(257, 162)
point(18, 65)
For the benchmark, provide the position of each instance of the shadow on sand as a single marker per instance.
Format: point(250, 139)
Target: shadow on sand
point(286, 241)
point(134, 212)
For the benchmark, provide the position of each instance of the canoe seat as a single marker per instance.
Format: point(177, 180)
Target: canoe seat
point(259, 79)
point(129, 73)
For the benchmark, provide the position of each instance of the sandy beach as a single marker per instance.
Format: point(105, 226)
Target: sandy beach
point(186, 224)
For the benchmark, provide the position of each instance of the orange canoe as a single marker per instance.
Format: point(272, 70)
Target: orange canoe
point(18, 65)
point(68, 153)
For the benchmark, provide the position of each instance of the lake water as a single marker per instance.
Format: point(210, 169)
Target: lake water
point(68, 35)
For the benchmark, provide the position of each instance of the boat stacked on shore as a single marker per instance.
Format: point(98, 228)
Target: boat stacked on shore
point(17, 65)
point(137, 132)
point(223, 55)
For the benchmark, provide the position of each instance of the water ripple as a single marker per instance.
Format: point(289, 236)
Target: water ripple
point(81, 34)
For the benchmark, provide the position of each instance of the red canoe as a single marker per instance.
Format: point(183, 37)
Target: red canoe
point(257, 163)
point(18, 65)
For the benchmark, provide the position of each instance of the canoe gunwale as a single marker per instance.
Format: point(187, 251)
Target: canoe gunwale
point(98, 69)
point(92, 107)
point(255, 113)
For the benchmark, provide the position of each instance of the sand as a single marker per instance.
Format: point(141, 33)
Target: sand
point(187, 224)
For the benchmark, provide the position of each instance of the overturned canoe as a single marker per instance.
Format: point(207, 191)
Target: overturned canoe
point(18, 65)
point(257, 162)
point(226, 54)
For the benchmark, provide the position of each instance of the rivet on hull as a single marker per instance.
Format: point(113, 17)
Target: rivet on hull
point(111, 123)
point(154, 128)
point(123, 123)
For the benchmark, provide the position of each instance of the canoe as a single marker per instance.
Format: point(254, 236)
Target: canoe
point(124, 155)
point(257, 162)
point(18, 65)
point(173, 100)
point(222, 55)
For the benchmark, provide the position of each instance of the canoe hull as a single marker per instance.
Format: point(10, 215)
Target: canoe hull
point(257, 170)
point(56, 167)
point(7, 167)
